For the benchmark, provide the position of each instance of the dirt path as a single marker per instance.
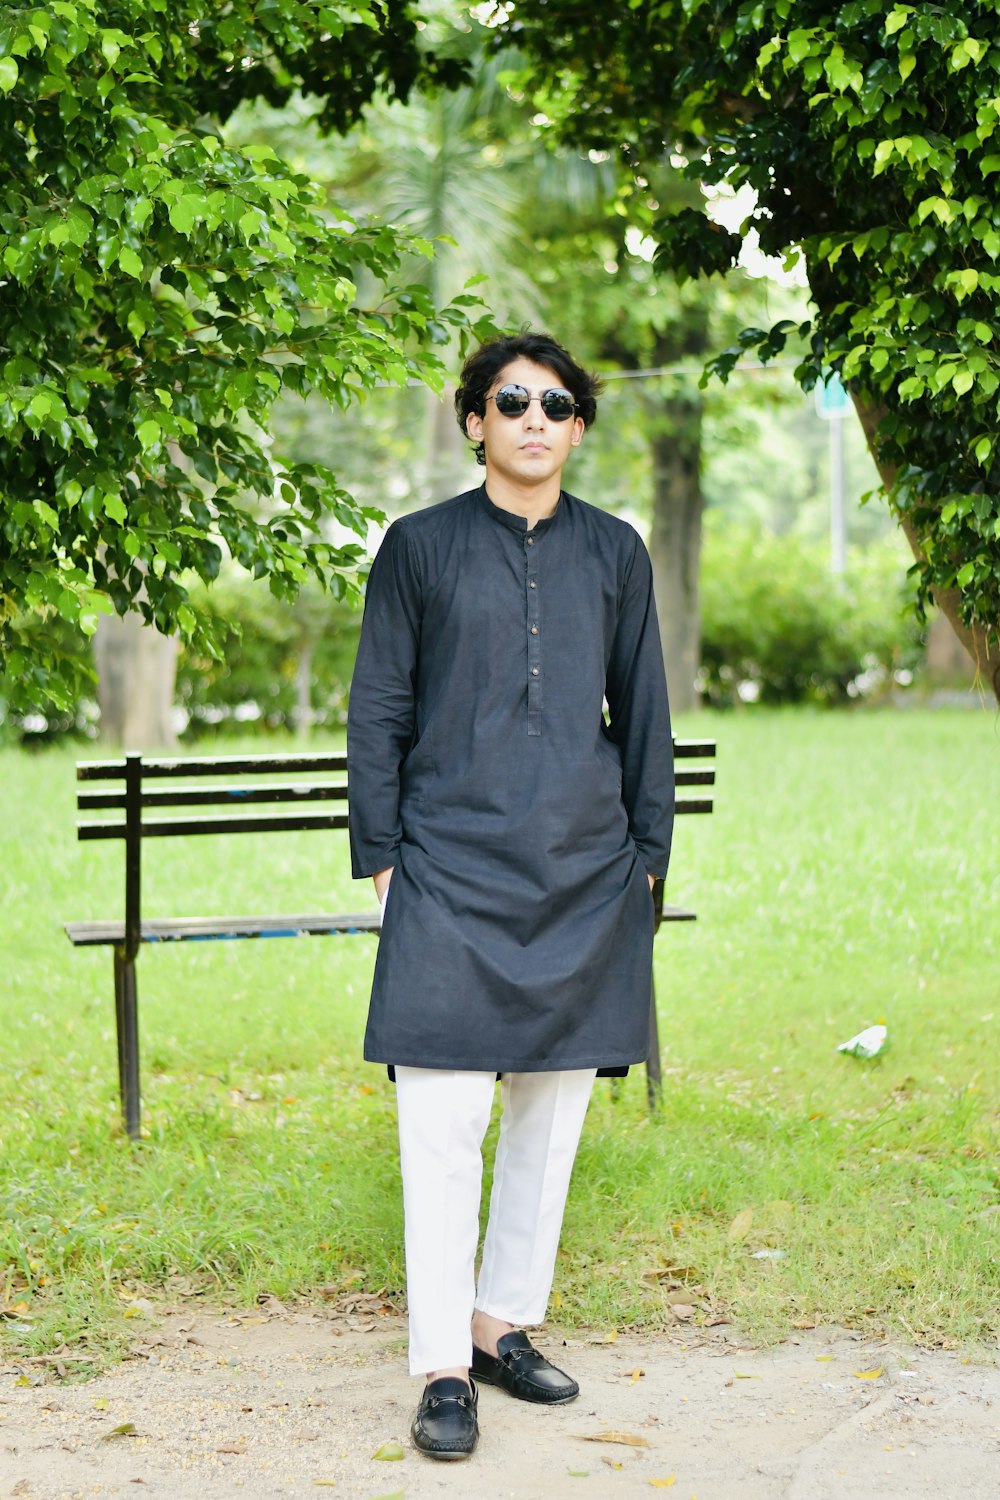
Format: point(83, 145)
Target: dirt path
point(290, 1403)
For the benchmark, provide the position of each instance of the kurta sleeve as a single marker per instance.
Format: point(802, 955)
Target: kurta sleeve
point(381, 713)
point(636, 692)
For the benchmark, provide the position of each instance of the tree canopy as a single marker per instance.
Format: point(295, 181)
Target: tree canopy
point(159, 289)
point(870, 135)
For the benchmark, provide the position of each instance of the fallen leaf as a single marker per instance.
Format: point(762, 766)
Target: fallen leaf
point(125, 1429)
point(612, 1463)
point(804, 1323)
point(578, 1473)
point(869, 1374)
point(637, 1374)
point(741, 1225)
point(682, 1311)
point(396, 1495)
point(628, 1439)
point(664, 1484)
point(231, 1448)
point(330, 1483)
point(612, 1336)
point(741, 1376)
point(825, 1359)
point(388, 1453)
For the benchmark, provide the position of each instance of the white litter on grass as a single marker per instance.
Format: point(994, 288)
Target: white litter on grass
point(767, 1254)
point(867, 1043)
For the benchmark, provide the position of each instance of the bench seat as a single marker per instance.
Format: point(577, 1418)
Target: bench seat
point(221, 929)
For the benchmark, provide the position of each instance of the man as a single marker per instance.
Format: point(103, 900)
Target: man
point(513, 837)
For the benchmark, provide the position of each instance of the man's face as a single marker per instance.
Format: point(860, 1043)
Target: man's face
point(529, 449)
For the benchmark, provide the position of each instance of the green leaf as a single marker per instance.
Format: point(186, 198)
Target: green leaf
point(250, 223)
point(115, 508)
point(148, 433)
point(130, 262)
point(389, 1453)
point(965, 575)
point(182, 214)
point(8, 74)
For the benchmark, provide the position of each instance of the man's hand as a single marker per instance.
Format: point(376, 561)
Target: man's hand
point(381, 880)
point(650, 878)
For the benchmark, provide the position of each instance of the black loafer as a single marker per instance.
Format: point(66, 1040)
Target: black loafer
point(521, 1370)
point(446, 1425)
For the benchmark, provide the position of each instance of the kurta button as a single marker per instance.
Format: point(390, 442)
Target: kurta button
point(534, 629)
point(531, 541)
point(531, 583)
point(534, 671)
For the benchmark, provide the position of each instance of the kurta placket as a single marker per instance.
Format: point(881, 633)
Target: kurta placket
point(532, 613)
point(520, 826)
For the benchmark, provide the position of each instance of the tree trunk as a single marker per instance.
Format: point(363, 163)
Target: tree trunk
point(136, 671)
point(450, 466)
point(675, 544)
point(974, 638)
point(675, 423)
point(303, 690)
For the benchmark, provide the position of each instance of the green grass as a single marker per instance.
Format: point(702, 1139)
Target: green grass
point(850, 874)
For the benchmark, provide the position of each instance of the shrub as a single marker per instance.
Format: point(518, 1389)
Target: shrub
point(779, 628)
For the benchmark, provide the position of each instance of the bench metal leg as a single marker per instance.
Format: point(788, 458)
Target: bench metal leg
point(654, 1076)
point(127, 1020)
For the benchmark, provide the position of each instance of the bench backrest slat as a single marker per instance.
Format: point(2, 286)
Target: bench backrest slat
point(173, 826)
point(218, 765)
point(215, 796)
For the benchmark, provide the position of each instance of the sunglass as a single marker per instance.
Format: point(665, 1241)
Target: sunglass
point(513, 401)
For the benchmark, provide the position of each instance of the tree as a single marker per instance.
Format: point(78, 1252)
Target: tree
point(161, 289)
point(468, 167)
point(870, 135)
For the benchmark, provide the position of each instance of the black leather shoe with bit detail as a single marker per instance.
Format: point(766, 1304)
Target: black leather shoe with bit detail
point(446, 1424)
point(521, 1370)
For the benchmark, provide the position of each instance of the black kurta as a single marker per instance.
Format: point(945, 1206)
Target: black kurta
point(518, 929)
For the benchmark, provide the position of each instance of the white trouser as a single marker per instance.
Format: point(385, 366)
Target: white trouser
point(443, 1117)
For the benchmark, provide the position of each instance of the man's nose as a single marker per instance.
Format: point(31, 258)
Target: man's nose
point(533, 416)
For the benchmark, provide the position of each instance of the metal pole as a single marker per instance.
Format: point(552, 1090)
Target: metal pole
point(838, 528)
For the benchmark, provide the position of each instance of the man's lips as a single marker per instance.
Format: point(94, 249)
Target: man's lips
point(534, 447)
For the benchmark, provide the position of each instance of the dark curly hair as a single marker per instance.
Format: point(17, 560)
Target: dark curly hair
point(484, 365)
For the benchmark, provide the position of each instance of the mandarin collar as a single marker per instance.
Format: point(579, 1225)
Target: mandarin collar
point(517, 523)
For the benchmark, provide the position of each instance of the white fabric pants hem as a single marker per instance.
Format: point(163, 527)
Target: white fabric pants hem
point(443, 1117)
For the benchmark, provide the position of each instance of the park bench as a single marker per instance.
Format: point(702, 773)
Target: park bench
point(184, 796)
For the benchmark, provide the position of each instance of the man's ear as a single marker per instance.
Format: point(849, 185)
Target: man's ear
point(474, 426)
point(578, 431)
